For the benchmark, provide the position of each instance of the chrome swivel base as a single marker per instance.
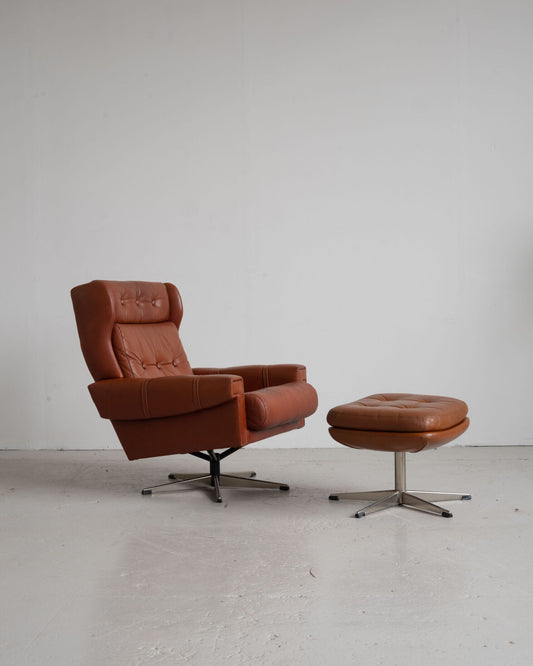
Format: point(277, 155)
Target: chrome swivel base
point(399, 496)
point(215, 479)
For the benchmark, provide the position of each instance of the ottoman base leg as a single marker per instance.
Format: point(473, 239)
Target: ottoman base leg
point(414, 502)
point(420, 500)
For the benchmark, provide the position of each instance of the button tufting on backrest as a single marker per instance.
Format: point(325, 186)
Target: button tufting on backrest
point(141, 303)
point(149, 350)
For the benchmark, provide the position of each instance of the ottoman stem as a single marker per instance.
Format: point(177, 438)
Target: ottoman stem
point(399, 471)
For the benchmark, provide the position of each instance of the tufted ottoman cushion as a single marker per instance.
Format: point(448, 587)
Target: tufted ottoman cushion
point(398, 422)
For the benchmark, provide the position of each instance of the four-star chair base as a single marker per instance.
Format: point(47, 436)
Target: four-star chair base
point(399, 496)
point(215, 479)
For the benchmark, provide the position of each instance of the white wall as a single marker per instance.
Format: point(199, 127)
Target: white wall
point(346, 184)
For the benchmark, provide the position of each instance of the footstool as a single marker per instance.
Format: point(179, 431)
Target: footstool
point(399, 423)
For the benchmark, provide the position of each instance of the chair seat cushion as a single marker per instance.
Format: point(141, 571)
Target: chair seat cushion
point(399, 412)
point(277, 405)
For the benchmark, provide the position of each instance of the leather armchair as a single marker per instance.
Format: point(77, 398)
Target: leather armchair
point(159, 405)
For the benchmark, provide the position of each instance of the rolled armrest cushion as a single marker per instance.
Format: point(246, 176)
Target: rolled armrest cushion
point(277, 405)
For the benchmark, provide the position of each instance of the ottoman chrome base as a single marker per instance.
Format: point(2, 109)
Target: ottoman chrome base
point(399, 496)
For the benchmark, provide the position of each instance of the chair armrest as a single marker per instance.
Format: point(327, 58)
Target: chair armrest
point(256, 377)
point(137, 398)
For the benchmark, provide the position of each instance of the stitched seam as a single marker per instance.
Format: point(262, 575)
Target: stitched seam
point(144, 398)
point(263, 405)
point(124, 347)
point(196, 393)
point(192, 391)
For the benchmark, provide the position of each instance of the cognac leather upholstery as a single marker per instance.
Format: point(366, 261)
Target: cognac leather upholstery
point(398, 422)
point(157, 403)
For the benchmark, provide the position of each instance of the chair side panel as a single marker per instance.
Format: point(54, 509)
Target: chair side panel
point(214, 428)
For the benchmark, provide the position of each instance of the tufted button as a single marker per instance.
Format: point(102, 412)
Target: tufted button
point(143, 365)
point(121, 301)
point(154, 302)
point(137, 302)
point(175, 363)
point(158, 365)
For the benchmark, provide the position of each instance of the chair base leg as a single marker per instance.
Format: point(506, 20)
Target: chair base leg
point(215, 479)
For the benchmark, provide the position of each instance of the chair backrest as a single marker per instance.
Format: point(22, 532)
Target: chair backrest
point(130, 329)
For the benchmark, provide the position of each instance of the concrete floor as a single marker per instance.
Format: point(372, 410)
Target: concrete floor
point(93, 573)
